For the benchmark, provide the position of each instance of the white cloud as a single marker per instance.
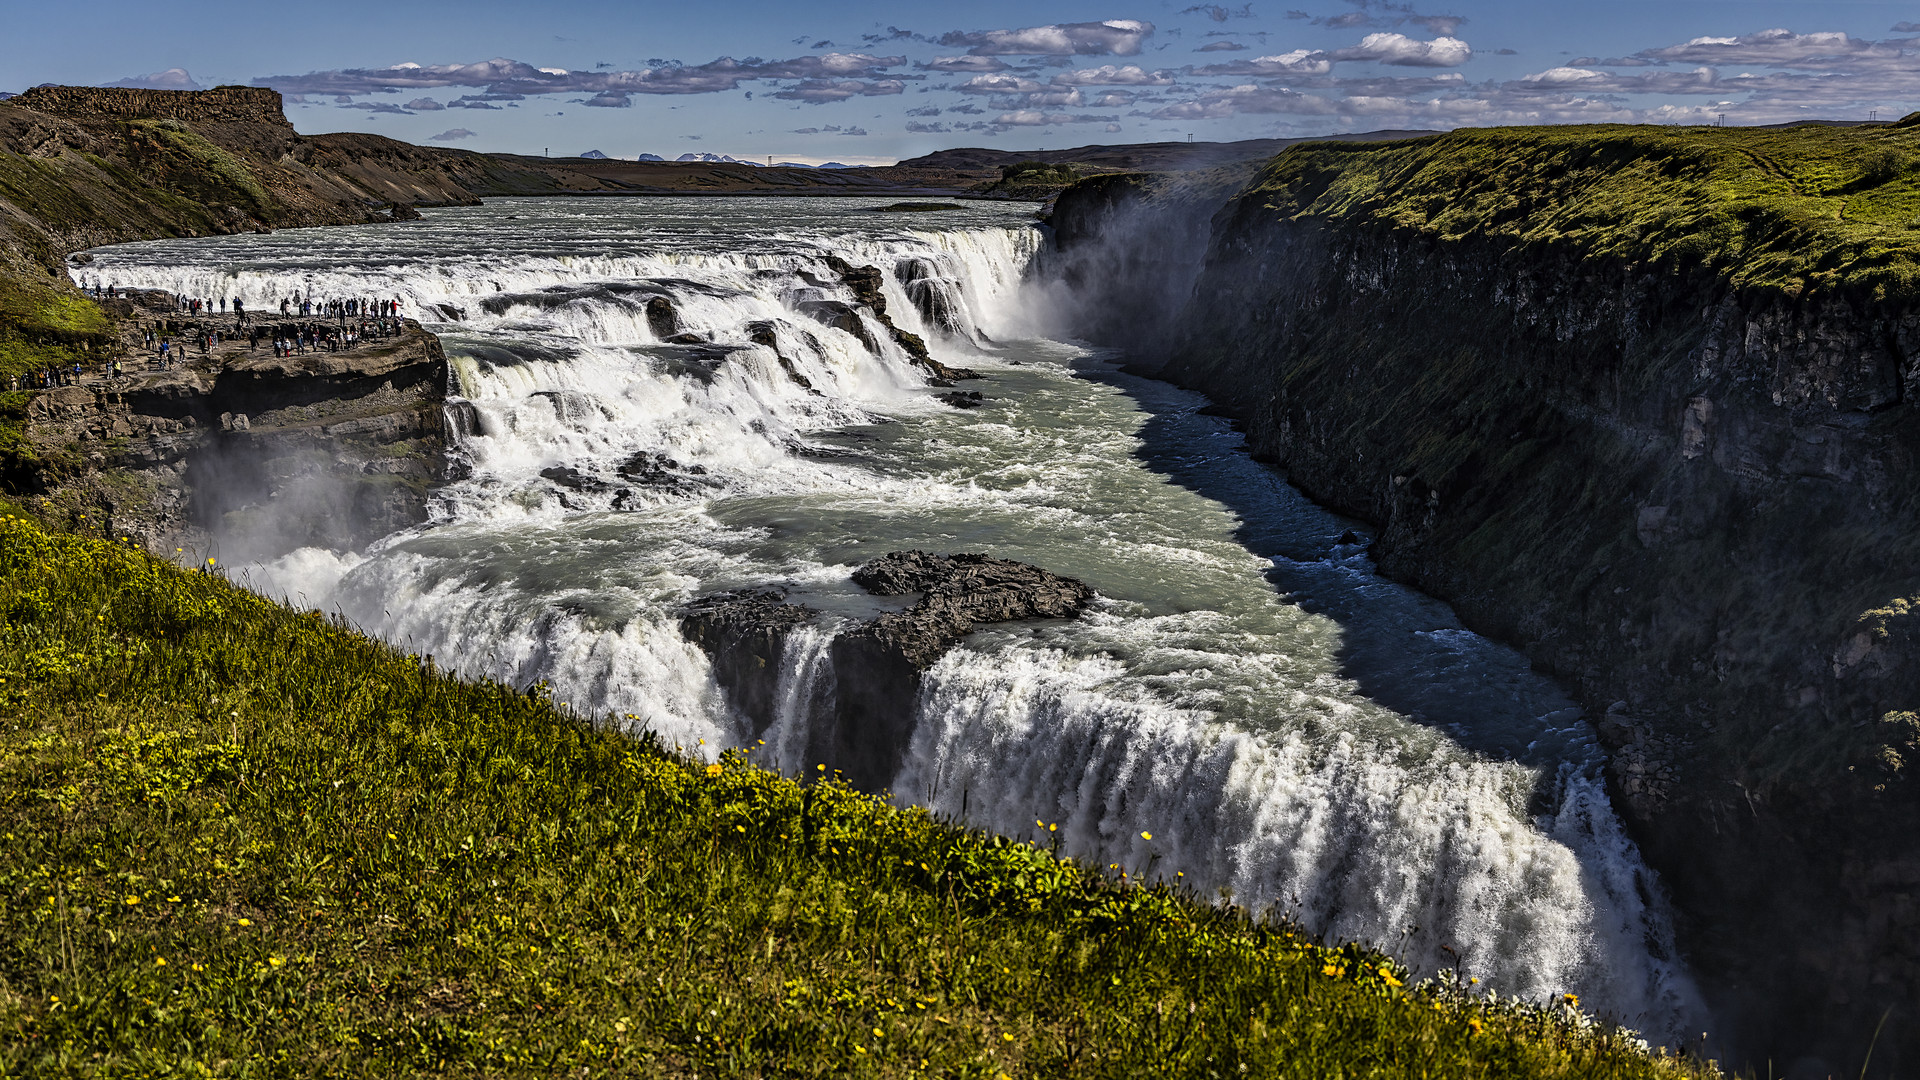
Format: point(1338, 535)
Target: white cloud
point(961, 65)
point(452, 135)
point(1783, 48)
point(821, 91)
point(502, 75)
point(1114, 37)
point(1110, 75)
point(1000, 84)
point(1040, 118)
point(1248, 98)
point(1403, 51)
point(1297, 62)
point(170, 79)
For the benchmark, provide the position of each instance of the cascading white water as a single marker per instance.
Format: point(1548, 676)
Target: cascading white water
point(1287, 726)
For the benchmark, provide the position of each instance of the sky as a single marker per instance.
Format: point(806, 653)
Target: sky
point(871, 82)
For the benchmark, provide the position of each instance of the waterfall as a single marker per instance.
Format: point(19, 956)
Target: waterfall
point(680, 396)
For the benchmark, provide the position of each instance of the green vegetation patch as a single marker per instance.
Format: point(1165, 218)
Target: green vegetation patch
point(43, 315)
point(238, 838)
point(40, 327)
point(1798, 210)
point(194, 166)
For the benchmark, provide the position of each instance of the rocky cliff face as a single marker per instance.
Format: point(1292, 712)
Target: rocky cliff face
point(245, 455)
point(1689, 493)
point(235, 451)
point(228, 104)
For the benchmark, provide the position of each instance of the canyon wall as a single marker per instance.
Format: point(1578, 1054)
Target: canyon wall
point(1641, 403)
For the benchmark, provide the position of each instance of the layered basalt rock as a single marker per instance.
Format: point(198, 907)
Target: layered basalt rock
point(863, 726)
point(253, 454)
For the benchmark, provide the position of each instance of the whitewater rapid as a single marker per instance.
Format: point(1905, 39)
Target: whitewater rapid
point(1295, 732)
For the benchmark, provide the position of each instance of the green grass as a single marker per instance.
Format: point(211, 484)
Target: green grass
point(239, 839)
point(40, 327)
point(1798, 210)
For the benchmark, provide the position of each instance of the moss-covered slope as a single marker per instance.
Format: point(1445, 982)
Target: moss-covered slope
point(1799, 210)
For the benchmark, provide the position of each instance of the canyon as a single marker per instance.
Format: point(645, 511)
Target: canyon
point(1635, 402)
point(1656, 434)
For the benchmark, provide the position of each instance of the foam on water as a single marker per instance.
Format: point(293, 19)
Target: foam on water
point(1293, 730)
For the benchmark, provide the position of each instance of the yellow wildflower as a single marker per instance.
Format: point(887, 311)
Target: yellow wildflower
point(715, 769)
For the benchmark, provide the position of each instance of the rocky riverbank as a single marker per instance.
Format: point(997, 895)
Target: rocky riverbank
point(1634, 402)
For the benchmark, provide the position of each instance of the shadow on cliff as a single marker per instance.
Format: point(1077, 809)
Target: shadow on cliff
point(1402, 649)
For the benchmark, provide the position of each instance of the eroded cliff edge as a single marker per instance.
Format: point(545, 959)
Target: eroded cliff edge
point(230, 451)
point(1640, 401)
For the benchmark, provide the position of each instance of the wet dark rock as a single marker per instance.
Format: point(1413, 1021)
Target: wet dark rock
point(840, 315)
point(962, 399)
point(1348, 537)
point(744, 634)
point(655, 470)
point(863, 726)
point(662, 318)
point(867, 283)
point(963, 592)
point(568, 477)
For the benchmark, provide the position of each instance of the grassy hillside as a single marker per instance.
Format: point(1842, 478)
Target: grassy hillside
point(236, 837)
point(1798, 209)
point(41, 326)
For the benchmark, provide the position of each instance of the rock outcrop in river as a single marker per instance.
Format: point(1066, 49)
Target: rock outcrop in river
point(863, 725)
point(1641, 402)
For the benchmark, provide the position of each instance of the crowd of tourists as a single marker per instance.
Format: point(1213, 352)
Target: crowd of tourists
point(294, 304)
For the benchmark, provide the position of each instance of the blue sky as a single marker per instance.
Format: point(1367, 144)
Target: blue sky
point(869, 82)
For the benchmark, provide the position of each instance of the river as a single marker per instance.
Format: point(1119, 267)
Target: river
point(1294, 731)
